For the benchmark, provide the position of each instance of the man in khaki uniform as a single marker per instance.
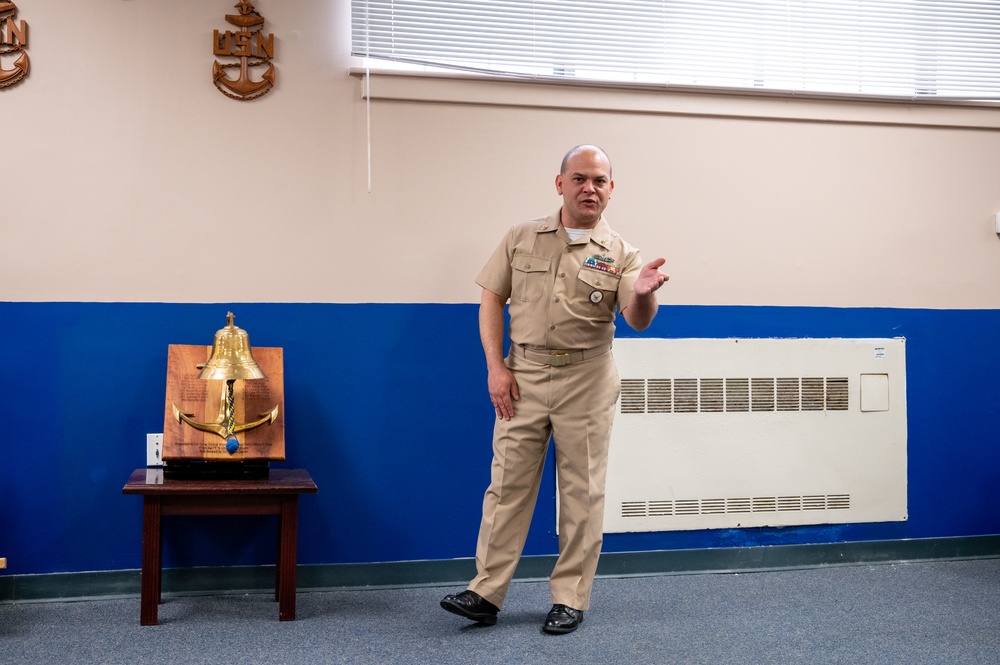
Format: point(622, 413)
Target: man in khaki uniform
point(565, 276)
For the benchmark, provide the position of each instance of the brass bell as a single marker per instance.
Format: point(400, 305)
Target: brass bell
point(231, 357)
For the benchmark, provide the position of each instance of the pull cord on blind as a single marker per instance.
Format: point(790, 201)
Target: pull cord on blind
point(906, 49)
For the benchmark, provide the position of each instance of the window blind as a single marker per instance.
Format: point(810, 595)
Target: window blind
point(912, 49)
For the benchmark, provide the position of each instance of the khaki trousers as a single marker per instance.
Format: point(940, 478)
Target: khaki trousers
point(575, 405)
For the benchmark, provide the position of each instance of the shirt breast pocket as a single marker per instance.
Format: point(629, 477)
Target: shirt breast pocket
point(596, 293)
point(528, 277)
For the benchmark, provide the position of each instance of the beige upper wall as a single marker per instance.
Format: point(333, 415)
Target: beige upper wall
point(128, 177)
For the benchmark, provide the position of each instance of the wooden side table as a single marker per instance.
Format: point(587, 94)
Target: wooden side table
point(278, 494)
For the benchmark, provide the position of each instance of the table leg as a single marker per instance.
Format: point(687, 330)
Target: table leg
point(287, 539)
point(152, 562)
point(277, 559)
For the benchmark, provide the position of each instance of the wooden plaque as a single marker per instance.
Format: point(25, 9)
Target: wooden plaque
point(204, 402)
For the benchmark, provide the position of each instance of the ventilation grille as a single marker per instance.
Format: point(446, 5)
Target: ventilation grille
point(757, 504)
point(734, 395)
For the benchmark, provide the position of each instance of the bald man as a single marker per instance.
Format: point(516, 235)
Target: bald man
point(565, 277)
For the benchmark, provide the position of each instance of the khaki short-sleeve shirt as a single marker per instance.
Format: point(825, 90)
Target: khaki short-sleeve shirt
point(563, 294)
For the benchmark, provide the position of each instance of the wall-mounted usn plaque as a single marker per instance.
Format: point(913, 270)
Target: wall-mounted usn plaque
point(13, 40)
point(253, 50)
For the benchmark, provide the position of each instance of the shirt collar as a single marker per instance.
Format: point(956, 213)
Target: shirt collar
point(600, 234)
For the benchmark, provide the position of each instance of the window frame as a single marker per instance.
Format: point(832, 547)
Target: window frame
point(469, 75)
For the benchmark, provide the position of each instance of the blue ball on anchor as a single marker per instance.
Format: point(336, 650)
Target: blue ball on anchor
point(232, 445)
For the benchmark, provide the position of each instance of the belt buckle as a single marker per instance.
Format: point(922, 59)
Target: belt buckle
point(558, 359)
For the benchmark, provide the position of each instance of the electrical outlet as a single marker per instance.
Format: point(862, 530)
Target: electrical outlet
point(154, 450)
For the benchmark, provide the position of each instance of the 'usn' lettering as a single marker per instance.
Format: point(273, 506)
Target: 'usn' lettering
point(242, 44)
point(12, 34)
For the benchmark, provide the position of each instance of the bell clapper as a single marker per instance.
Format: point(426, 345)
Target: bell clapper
point(232, 443)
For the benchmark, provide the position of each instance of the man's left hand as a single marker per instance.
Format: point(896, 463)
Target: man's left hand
point(651, 277)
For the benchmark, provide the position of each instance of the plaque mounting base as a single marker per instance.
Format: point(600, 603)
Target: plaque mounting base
point(217, 470)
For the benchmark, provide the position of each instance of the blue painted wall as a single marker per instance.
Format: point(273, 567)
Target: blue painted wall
point(386, 407)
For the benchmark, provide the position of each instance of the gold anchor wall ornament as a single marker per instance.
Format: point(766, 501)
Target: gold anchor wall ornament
point(13, 39)
point(253, 49)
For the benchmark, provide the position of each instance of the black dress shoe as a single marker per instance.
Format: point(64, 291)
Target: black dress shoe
point(562, 619)
point(471, 605)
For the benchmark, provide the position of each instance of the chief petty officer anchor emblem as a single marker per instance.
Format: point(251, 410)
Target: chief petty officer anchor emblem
point(251, 47)
point(13, 39)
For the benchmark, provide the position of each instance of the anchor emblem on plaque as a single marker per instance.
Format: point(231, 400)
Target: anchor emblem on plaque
point(231, 360)
point(251, 47)
point(13, 39)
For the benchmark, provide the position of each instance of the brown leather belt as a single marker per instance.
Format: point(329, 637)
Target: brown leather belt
point(558, 358)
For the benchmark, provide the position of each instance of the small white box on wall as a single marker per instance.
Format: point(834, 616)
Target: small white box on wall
point(154, 450)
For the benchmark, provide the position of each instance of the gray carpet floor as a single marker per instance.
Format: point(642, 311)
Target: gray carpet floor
point(927, 612)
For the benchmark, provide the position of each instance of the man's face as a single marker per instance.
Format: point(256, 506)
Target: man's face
point(586, 188)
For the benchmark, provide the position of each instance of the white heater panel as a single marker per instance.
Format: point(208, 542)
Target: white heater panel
point(725, 433)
